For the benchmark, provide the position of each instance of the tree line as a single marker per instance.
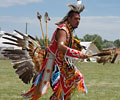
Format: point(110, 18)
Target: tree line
point(99, 42)
point(97, 39)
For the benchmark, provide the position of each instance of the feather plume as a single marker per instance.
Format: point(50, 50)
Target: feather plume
point(104, 59)
point(27, 60)
point(76, 8)
point(39, 15)
point(73, 7)
point(100, 54)
point(46, 17)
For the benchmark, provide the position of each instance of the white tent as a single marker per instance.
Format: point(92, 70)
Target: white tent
point(118, 59)
point(5, 46)
point(4, 40)
point(117, 55)
point(90, 49)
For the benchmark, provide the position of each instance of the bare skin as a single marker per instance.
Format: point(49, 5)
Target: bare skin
point(61, 34)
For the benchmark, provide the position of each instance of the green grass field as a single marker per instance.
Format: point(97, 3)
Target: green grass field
point(102, 82)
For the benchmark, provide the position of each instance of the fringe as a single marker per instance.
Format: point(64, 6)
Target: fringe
point(33, 92)
point(29, 94)
point(59, 94)
point(81, 87)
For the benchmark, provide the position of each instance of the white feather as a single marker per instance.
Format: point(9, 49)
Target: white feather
point(79, 2)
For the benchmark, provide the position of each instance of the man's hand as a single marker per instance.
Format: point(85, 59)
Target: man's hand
point(83, 56)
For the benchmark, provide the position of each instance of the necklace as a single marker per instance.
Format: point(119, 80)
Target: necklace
point(71, 33)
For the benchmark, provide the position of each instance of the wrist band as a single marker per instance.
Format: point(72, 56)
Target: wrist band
point(73, 53)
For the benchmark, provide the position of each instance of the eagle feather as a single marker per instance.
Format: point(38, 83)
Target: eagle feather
point(28, 59)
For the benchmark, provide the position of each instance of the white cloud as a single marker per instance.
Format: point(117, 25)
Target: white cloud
point(108, 27)
point(7, 3)
point(11, 19)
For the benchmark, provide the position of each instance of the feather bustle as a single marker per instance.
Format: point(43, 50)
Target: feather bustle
point(27, 60)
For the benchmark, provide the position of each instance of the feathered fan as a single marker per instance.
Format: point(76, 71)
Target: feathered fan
point(27, 60)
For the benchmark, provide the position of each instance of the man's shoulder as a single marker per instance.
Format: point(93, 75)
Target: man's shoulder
point(63, 27)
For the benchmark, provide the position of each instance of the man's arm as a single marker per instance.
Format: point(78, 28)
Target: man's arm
point(61, 39)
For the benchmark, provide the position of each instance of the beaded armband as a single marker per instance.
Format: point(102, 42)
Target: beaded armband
point(73, 53)
point(61, 43)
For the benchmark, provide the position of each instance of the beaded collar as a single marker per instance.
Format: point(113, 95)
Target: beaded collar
point(71, 33)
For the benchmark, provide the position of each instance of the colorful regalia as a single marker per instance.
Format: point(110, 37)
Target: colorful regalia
point(47, 66)
point(63, 75)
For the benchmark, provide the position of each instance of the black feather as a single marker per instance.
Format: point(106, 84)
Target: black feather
point(32, 37)
point(13, 36)
point(22, 58)
point(9, 39)
point(10, 43)
point(20, 33)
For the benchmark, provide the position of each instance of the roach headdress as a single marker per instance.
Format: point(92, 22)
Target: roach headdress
point(73, 7)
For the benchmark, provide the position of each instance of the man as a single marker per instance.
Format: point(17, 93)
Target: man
point(61, 45)
point(58, 68)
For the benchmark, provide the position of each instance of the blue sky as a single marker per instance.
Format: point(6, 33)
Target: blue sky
point(100, 17)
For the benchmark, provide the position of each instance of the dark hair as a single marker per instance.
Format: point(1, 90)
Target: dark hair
point(71, 13)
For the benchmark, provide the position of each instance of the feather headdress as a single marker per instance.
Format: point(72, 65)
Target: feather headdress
point(73, 7)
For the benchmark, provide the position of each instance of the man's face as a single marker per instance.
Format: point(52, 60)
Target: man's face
point(75, 20)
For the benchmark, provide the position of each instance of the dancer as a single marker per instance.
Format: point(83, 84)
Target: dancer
point(52, 66)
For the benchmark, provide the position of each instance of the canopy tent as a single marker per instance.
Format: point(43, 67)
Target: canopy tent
point(5, 46)
point(90, 49)
point(4, 40)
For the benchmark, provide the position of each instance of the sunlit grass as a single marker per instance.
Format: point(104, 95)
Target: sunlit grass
point(102, 82)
